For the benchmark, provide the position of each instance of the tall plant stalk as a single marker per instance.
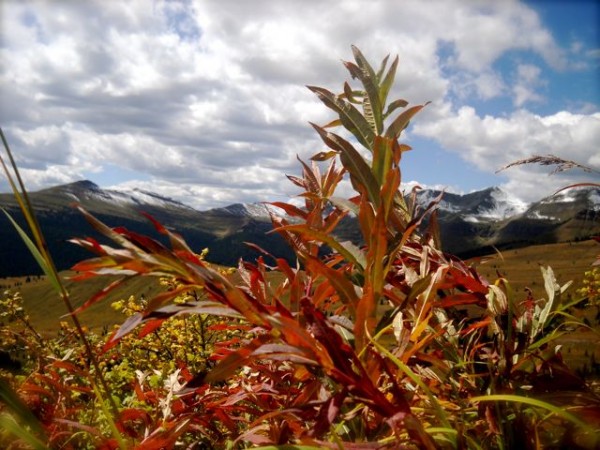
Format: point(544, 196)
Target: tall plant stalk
point(39, 249)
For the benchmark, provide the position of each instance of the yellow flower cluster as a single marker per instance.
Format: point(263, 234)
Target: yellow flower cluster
point(591, 286)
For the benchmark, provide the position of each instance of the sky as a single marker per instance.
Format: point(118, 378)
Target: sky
point(206, 102)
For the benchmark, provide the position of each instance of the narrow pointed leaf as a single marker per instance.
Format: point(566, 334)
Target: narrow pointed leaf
point(353, 69)
point(387, 82)
point(311, 177)
point(226, 367)
point(290, 209)
point(350, 94)
point(394, 106)
point(36, 254)
point(351, 117)
point(561, 412)
point(323, 156)
point(18, 408)
point(100, 295)
point(334, 123)
point(401, 122)
point(382, 158)
point(325, 238)
point(344, 204)
point(440, 413)
point(382, 67)
point(353, 162)
point(344, 287)
point(369, 81)
point(21, 432)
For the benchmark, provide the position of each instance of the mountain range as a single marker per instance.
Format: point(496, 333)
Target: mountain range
point(471, 224)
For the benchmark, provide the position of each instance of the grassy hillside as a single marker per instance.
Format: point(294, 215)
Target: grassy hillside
point(46, 309)
point(521, 267)
point(569, 261)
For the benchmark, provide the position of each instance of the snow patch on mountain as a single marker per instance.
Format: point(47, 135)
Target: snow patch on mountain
point(124, 196)
point(594, 198)
point(255, 210)
point(503, 206)
point(488, 204)
point(426, 196)
point(567, 196)
point(142, 197)
point(539, 216)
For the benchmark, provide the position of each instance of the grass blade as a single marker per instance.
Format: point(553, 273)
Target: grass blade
point(537, 403)
point(42, 262)
point(9, 424)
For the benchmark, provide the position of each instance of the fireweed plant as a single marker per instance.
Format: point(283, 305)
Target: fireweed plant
point(387, 344)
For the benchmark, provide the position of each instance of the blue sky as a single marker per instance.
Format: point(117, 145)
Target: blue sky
point(205, 101)
point(570, 86)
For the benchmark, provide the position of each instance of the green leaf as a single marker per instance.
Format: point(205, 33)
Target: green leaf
point(325, 238)
point(538, 403)
point(344, 204)
point(350, 117)
point(353, 162)
point(323, 156)
point(356, 251)
point(402, 121)
point(394, 106)
point(382, 158)
point(371, 104)
point(7, 423)
point(387, 82)
point(51, 274)
point(21, 412)
point(382, 67)
point(334, 123)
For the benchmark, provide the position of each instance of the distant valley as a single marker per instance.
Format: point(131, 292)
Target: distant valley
point(470, 225)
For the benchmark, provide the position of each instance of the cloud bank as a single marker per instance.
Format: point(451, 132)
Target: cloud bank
point(206, 101)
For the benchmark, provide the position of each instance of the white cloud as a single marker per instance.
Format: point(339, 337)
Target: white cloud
point(191, 93)
point(490, 143)
point(527, 80)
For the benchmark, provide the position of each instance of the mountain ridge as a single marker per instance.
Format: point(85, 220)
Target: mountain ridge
point(470, 224)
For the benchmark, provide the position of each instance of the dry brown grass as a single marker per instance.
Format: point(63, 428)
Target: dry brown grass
point(522, 266)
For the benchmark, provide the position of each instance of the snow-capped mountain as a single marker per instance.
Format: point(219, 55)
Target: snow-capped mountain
point(254, 210)
point(469, 224)
point(565, 204)
point(85, 191)
point(489, 204)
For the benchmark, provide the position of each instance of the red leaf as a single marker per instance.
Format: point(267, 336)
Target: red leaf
point(100, 295)
point(467, 281)
point(150, 326)
point(235, 360)
point(461, 299)
point(165, 436)
point(132, 415)
point(290, 210)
